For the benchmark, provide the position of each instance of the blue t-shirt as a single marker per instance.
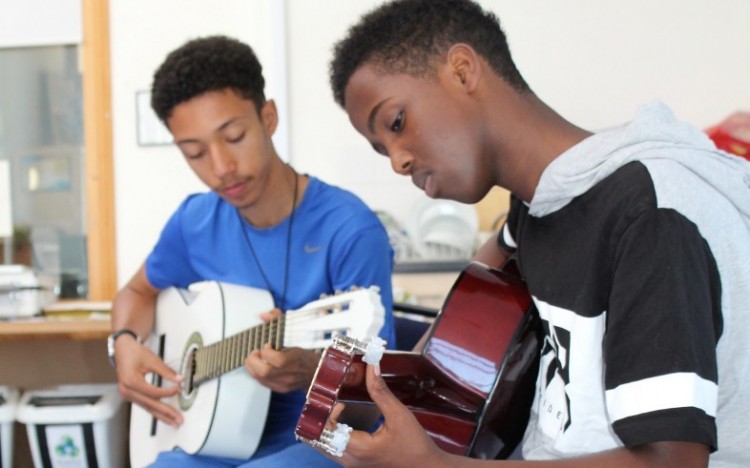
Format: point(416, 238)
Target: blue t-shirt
point(336, 242)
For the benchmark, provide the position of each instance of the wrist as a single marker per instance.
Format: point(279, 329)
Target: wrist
point(114, 336)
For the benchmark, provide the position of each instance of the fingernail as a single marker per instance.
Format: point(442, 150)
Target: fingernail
point(376, 369)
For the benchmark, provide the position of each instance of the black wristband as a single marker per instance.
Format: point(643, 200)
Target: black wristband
point(124, 331)
point(111, 342)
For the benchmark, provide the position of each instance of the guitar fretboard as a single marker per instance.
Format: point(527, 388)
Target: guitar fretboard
point(228, 354)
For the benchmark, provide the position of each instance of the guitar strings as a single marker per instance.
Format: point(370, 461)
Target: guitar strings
point(295, 318)
point(297, 321)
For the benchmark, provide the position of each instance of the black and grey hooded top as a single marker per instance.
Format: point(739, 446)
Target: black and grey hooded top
point(636, 250)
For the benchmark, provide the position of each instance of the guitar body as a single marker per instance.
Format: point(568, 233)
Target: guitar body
point(472, 385)
point(205, 333)
point(224, 416)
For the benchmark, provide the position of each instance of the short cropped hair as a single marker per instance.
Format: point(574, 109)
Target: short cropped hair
point(405, 36)
point(206, 64)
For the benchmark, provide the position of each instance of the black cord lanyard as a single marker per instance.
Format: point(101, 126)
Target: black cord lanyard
point(282, 303)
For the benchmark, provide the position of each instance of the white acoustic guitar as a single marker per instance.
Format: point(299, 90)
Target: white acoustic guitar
point(205, 333)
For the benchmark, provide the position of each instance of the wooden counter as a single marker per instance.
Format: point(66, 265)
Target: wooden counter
point(42, 352)
point(44, 328)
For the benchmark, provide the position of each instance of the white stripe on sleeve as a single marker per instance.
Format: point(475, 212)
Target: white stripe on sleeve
point(678, 390)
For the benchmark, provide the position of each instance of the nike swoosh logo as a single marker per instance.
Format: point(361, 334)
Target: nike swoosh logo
point(311, 248)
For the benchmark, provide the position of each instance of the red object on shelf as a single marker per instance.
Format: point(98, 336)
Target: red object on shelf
point(733, 134)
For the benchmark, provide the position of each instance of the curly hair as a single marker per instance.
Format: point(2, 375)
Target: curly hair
point(405, 36)
point(207, 64)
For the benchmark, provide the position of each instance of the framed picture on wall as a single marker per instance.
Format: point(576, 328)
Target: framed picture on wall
point(151, 131)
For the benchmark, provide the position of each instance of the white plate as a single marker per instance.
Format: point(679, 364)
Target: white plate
point(444, 229)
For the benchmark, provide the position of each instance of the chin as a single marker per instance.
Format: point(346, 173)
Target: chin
point(238, 204)
point(434, 194)
point(468, 198)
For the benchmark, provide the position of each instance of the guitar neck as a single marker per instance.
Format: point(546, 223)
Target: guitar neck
point(228, 354)
point(358, 312)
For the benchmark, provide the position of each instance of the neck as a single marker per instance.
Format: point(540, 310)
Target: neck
point(528, 136)
point(282, 192)
point(279, 297)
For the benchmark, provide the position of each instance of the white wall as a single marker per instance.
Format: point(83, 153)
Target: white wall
point(595, 61)
point(39, 22)
point(151, 180)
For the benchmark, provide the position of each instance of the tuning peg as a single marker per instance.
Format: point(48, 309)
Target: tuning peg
point(372, 348)
point(334, 442)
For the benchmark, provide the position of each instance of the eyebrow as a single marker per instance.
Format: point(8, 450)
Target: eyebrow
point(373, 114)
point(186, 141)
point(218, 129)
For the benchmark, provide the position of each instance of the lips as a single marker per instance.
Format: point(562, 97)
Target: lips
point(234, 190)
point(426, 182)
point(420, 180)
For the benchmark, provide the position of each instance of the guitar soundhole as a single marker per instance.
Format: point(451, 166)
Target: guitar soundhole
point(188, 372)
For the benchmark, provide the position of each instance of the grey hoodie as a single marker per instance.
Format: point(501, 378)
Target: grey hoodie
point(712, 189)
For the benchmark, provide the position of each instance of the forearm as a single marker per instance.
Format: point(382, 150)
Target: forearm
point(491, 254)
point(134, 306)
point(132, 312)
point(660, 454)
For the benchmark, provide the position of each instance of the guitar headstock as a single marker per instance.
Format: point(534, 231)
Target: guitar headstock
point(357, 313)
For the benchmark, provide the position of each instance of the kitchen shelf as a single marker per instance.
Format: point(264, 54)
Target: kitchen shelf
point(431, 266)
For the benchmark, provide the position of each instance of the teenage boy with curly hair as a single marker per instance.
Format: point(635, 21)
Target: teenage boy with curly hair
point(262, 224)
point(634, 243)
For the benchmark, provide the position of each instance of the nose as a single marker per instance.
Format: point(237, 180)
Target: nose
point(401, 162)
point(222, 160)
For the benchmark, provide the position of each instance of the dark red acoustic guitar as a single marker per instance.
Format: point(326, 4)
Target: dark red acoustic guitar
point(470, 388)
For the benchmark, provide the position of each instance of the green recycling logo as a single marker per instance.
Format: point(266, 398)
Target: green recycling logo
point(67, 448)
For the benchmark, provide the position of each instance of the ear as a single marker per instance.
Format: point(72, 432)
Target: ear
point(269, 116)
point(465, 66)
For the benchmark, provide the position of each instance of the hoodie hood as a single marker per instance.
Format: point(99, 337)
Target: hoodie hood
point(653, 134)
